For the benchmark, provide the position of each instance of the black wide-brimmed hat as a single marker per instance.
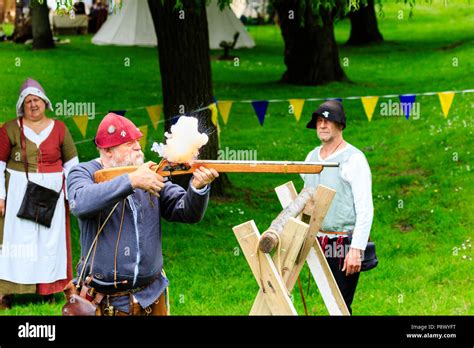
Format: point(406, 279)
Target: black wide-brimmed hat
point(330, 110)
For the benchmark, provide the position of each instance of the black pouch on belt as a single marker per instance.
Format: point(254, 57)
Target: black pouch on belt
point(39, 204)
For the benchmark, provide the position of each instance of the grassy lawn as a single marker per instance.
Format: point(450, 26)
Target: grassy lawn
point(421, 169)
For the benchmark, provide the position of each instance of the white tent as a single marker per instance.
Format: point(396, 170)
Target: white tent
point(133, 26)
point(245, 8)
point(223, 25)
point(250, 8)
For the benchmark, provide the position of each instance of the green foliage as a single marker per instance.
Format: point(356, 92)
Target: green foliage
point(337, 8)
point(411, 3)
point(422, 270)
point(222, 3)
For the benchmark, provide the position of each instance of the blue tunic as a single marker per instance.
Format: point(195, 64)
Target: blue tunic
point(139, 259)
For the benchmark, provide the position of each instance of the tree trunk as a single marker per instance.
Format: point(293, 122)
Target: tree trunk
point(185, 65)
point(2, 10)
point(311, 52)
point(364, 28)
point(42, 35)
point(18, 12)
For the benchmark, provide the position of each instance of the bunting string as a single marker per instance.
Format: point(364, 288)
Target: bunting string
point(260, 107)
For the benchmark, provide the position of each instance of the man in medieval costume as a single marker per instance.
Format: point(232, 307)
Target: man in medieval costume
point(346, 227)
point(124, 266)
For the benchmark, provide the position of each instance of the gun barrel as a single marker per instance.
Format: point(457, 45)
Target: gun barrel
point(275, 163)
point(223, 166)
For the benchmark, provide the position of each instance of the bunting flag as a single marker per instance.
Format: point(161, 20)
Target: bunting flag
point(224, 109)
point(297, 106)
point(174, 119)
point(144, 130)
point(369, 104)
point(406, 102)
point(1, 124)
point(81, 123)
point(213, 109)
point(260, 107)
point(154, 112)
point(446, 99)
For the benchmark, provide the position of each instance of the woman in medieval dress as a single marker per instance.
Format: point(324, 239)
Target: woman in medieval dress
point(34, 258)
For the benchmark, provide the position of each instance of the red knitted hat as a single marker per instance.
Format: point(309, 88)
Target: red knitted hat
point(115, 130)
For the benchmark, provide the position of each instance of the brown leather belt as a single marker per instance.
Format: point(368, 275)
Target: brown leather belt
point(157, 308)
point(335, 232)
point(130, 291)
point(127, 292)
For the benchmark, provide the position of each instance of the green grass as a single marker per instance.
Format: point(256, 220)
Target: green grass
point(411, 161)
point(8, 28)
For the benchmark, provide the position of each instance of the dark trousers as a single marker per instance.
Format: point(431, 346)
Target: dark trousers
point(335, 250)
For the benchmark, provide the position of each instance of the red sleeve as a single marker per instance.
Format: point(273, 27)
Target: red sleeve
point(5, 146)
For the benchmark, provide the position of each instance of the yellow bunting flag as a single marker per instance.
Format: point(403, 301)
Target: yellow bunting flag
point(144, 130)
point(1, 124)
point(224, 108)
point(213, 109)
point(446, 99)
point(154, 112)
point(369, 104)
point(81, 123)
point(297, 107)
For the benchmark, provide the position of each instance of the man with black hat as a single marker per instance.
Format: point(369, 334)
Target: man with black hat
point(346, 227)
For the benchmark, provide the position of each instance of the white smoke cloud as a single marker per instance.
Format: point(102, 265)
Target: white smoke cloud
point(183, 143)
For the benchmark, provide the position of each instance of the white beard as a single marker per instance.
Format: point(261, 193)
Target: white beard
point(128, 161)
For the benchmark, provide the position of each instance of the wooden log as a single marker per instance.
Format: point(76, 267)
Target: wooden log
point(267, 276)
point(281, 167)
point(271, 236)
point(292, 239)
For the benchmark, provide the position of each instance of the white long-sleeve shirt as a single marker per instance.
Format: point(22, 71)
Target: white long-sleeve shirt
point(355, 171)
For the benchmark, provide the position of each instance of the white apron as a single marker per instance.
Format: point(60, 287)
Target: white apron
point(32, 253)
